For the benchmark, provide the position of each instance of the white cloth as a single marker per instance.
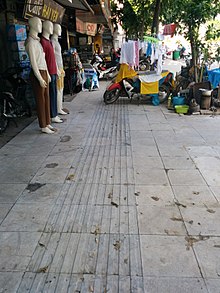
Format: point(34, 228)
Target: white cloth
point(35, 52)
point(58, 52)
point(150, 77)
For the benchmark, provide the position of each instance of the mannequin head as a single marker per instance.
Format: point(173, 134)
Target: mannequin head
point(47, 27)
point(57, 29)
point(35, 24)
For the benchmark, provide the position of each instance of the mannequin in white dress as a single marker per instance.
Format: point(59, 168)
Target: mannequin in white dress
point(58, 55)
point(39, 75)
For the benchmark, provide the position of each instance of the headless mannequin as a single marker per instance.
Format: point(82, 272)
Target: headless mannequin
point(52, 68)
point(58, 55)
point(39, 75)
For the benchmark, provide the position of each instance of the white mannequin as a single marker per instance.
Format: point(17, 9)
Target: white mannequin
point(47, 31)
point(39, 76)
point(58, 55)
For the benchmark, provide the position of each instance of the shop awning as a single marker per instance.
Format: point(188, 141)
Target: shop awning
point(76, 4)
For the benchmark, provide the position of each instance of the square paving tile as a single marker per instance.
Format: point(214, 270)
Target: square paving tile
point(213, 285)
point(158, 220)
point(9, 281)
point(208, 254)
point(26, 218)
point(207, 163)
point(202, 151)
point(167, 256)
point(147, 176)
point(195, 195)
point(4, 209)
point(178, 163)
point(46, 193)
point(9, 193)
point(202, 220)
point(147, 162)
point(50, 175)
point(158, 195)
point(16, 250)
point(174, 285)
point(186, 177)
point(212, 177)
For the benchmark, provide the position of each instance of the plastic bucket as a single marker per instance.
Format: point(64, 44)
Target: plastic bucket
point(205, 102)
point(176, 55)
point(178, 101)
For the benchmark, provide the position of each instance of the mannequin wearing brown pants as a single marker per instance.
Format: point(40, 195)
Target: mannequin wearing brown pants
point(42, 99)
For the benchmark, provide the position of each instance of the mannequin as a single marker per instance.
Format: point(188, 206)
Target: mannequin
point(52, 68)
point(58, 55)
point(39, 75)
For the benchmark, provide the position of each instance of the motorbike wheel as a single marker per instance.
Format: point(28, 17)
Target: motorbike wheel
point(143, 67)
point(164, 93)
point(111, 96)
point(3, 120)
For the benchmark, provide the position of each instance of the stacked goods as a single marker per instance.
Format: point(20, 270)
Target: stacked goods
point(17, 35)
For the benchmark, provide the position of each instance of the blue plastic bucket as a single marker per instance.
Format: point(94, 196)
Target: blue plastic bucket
point(178, 101)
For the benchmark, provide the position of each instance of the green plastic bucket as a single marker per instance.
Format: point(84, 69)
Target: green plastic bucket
point(176, 55)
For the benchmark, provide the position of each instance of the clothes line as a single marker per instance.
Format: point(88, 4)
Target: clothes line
point(130, 52)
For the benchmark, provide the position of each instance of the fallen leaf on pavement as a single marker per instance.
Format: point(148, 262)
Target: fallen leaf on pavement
point(155, 198)
point(114, 204)
point(43, 269)
point(117, 245)
point(70, 177)
point(176, 219)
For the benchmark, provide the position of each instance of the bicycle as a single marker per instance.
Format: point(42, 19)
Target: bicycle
point(13, 102)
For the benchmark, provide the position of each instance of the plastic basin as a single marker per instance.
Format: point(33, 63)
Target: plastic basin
point(181, 109)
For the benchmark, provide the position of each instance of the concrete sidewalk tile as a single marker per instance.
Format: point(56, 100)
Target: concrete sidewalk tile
point(159, 220)
point(147, 176)
point(167, 256)
point(147, 162)
point(207, 253)
point(179, 163)
point(216, 192)
point(4, 210)
point(9, 193)
point(14, 170)
point(212, 177)
point(10, 281)
point(174, 285)
point(198, 195)
point(26, 218)
point(212, 284)
point(171, 149)
point(202, 220)
point(50, 175)
point(207, 163)
point(16, 250)
point(158, 195)
point(202, 151)
point(186, 177)
point(41, 193)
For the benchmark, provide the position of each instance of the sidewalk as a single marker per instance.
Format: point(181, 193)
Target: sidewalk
point(123, 198)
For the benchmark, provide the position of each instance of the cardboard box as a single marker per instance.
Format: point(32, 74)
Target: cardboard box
point(17, 46)
point(16, 32)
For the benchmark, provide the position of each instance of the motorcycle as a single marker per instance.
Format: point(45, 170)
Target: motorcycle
point(130, 84)
point(103, 72)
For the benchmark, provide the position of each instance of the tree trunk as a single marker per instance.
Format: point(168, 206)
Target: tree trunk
point(155, 24)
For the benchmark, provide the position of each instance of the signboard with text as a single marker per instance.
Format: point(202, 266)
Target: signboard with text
point(45, 10)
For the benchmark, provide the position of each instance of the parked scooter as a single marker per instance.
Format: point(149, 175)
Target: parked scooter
point(128, 84)
point(103, 72)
